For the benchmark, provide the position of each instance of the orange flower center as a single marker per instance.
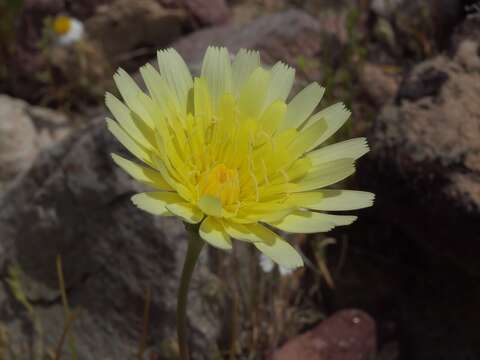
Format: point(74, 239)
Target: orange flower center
point(222, 183)
point(61, 25)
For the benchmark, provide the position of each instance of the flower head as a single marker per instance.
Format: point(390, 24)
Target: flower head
point(227, 150)
point(67, 30)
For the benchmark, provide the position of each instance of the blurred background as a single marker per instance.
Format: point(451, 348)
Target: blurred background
point(85, 275)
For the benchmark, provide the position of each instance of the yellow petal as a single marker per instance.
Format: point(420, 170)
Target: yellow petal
point(217, 70)
point(156, 202)
point(145, 175)
point(159, 90)
point(202, 100)
point(302, 105)
point(212, 231)
point(210, 206)
point(129, 91)
point(333, 200)
point(326, 174)
point(239, 231)
point(182, 190)
point(281, 83)
point(130, 144)
point(252, 96)
point(305, 139)
point(307, 222)
point(274, 247)
point(188, 212)
point(245, 62)
point(134, 128)
point(272, 117)
point(333, 117)
point(175, 72)
point(349, 149)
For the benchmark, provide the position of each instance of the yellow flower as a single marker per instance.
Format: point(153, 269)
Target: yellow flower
point(227, 150)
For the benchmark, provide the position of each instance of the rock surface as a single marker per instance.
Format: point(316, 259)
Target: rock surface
point(24, 130)
point(203, 12)
point(426, 157)
point(422, 28)
point(379, 86)
point(125, 28)
point(286, 36)
point(74, 202)
point(208, 12)
point(18, 143)
point(346, 335)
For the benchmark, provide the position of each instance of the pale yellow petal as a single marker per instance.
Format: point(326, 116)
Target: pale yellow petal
point(326, 174)
point(212, 231)
point(156, 202)
point(182, 190)
point(210, 205)
point(304, 222)
point(307, 222)
point(334, 200)
point(239, 231)
point(188, 212)
point(140, 132)
point(159, 90)
point(274, 247)
point(271, 118)
point(333, 117)
point(175, 72)
point(202, 100)
point(302, 106)
point(245, 62)
point(252, 95)
point(351, 149)
point(305, 139)
point(217, 71)
point(131, 145)
point(129, 90)
point(281, 83)
point(143, 174)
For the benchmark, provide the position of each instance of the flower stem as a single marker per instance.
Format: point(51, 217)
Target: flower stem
point(195, 245)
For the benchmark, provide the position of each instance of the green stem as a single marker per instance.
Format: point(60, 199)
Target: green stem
point(195, 245)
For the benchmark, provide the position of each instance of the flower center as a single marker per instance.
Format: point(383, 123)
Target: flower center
point(61, 25)
point(222, 183)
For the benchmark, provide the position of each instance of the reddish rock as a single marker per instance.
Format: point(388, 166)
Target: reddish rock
point(286, 36)
point(346, 335)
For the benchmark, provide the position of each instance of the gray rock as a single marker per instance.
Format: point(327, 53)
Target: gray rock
point(208, 12)
point(127, 29)
point(467, 55)
point(18, 145)
point(379, 85)
point(24, 131)
point(51, 126)
point(425, 158)
point(74, 202)
point(282, 36)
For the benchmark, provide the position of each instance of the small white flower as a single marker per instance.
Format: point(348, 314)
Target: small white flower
point(267, 266)
point(68, 30)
